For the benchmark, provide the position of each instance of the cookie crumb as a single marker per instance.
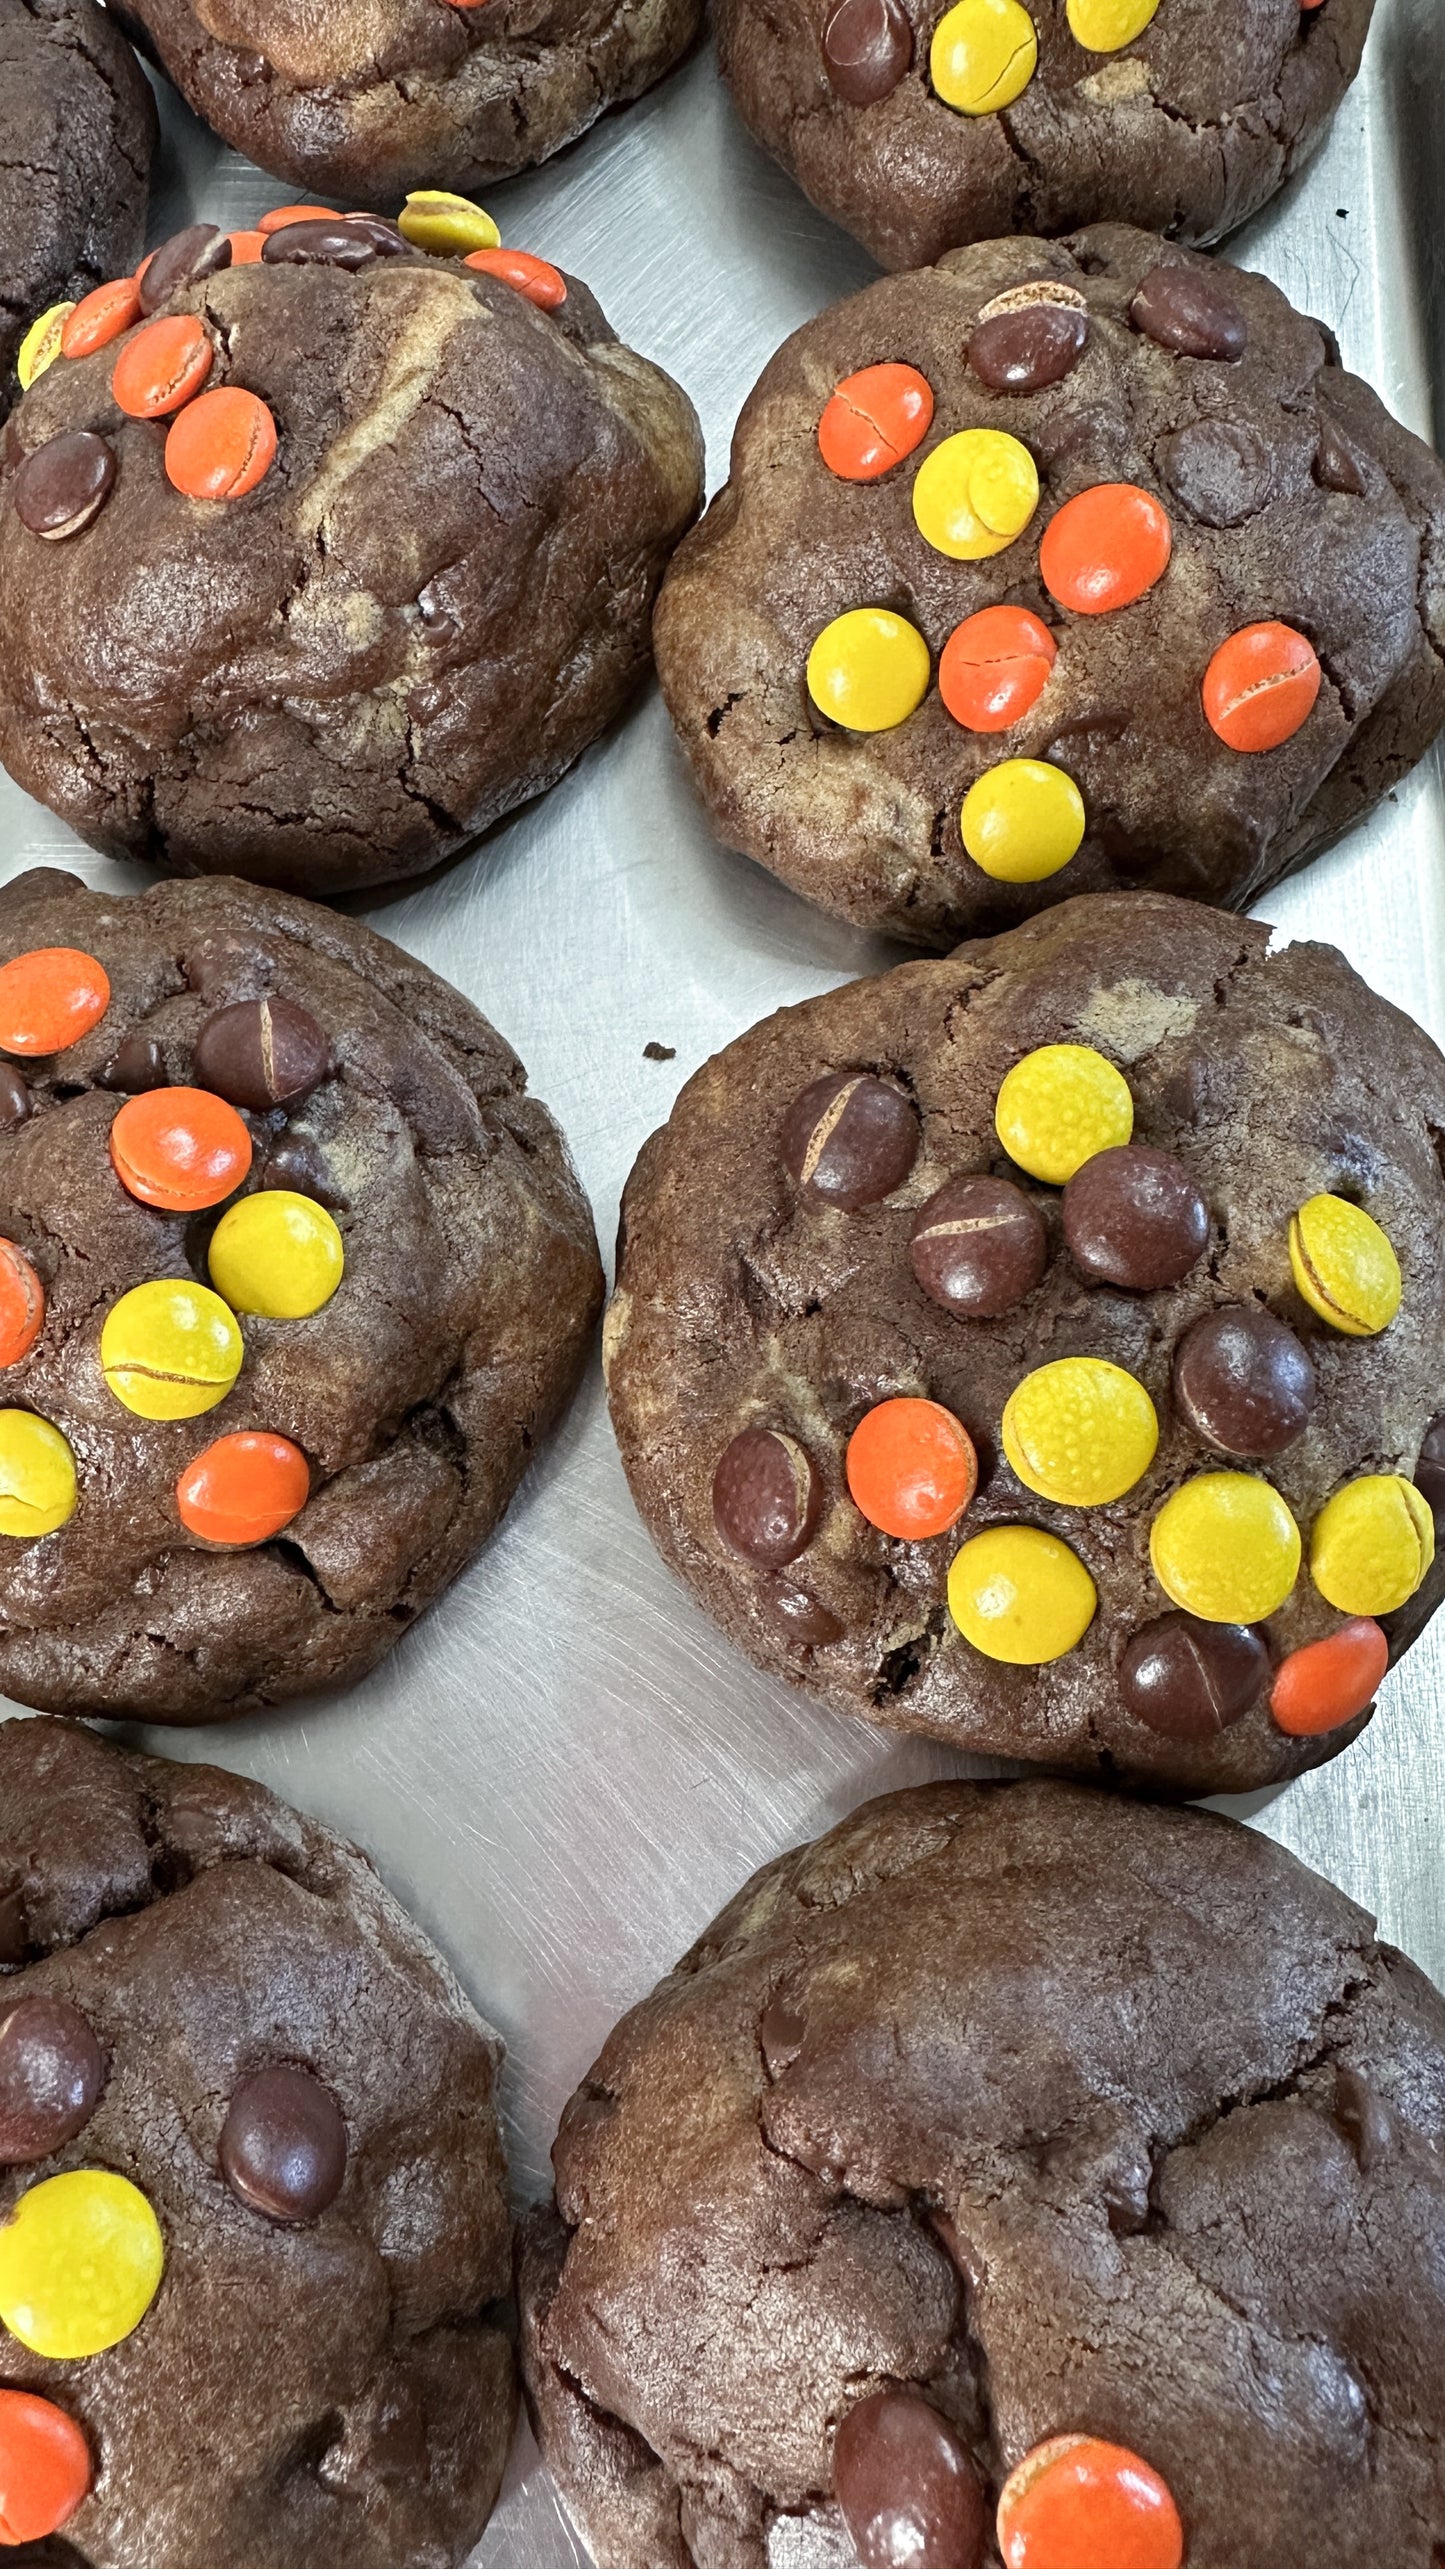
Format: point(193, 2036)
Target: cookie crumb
point(659, 1052)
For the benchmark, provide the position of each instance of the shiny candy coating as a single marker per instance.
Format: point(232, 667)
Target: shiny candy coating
point(281, 217)
point(81, 2261)
point(63, 485)
point(170, 1350)
point(867, 48)
point(1106, 549)
point(1080, 1431)
point(38, 1491)
point(1079, 2503)
point(906, 2486)
point(349, 241)
point(261, 1053)
point(1029, 337)
point(221, 446)
point(1189, 1680)
point(1135, 1218)
point(1060, 1105)
point(447, 226)
point(1244, 1382)
point(911, 1469)
point(162, 366)
point(41, 344)
point(99, 317)
point(136, 1064)
point(868, 669)
point(277, 1255)
point(1192, 313)
point(15, 1098)
point(849, 1140)
point(979, 1247)
point(45, 2468)
point(873, 419)
point(49, 998)
point(535, 278)
point(1020, 1596)
point(1344, 1266)
point(1106, 26)
point(1330, 1682)
point(1023, 821)
point(243, 1489)
point(766, 1497)
point(180, 1149)
point(202, 250)
point(1226, 1548)
point(249, 248)
point(1430, 1467)
point(974, 495)
point(1261, 687)
point(994, 667)
point(22, 1304)
point(799, 1618)
point(1372, 1544)
point(52, 2077)
point(983, 56)
point(283, 2145)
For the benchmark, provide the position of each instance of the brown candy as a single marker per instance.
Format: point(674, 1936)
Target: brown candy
point(800, 1618)
point(52, 2076)
point(295, 1163)
point(261, 1053)
point(867, 48)
point(1364, 2119)
point(202, 250)
point(15, 1098)
point(1244, 1381)
point(1430, 1470)
point(1030, 337)
point(907, 2488)
point(1188, 310)
point(134, 1067)
point(1223, 474)
point(1190, 1680)
point(850, 1139)
point(64, 485)
point(1135, 1217)
point(1337, 466)
point(766, 1498)
point(283, 2145)
point(353, 241)
point(979, 1246)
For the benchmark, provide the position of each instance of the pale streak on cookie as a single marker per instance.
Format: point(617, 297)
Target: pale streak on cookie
point(1133, 1018)
point(629, 386)
point(412, 367)
point(1118, 82)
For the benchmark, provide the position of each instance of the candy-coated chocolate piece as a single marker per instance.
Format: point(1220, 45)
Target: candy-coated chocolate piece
point(850, 1139)
point(1134, 1217)
point(41, 344)
point(1021, 1596)
point(170, 1349)
point(64, 484)
point(1023, 821)
point(52, 2077)
point(1080, 1431)
point(1106, 549)
point(868, 669)
point(277, 1255)
point(873, 419)
point(994, 667)
point(975, 493)
point(136, 1065)
point(181, 1149)
point(202, 250)
point(244, 1488)
point(1430, 1469)
point(99, 317)
point(297, 1164)
point(445, 225)
point(1343, 1265)
point(38, 1491)
point(22, 1304)
point(1079, 2503)
point(247, 248)
point(867, 48)
point(15, 1098)
point(1190, 311)
point(1372, 1544)
point(162, 366)
point(349, 241)
point(1261, 687)
point(1189, 1680)
point(45, 2468)
point(766, 1497)
point(537, 279)
point(911, 1468)
point(1226, 1548)
point(1106, 26)
point(283, 2145)
point(1330, 1682)
point(1029, 337)
point(1244, 1382)
point(907, 2486)
point(281, 216)
point(221, 446)
point(979, 1247)
point(262, 1053)
point(81, 2261)
point(49, 998)
point(1060, 1105)
point(800, 1618)
point(983, 56)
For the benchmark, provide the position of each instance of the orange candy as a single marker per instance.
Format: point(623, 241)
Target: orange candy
point(44, 2468)
point(162, 366)
point(911, 1469)
point(1261, 686)
point(1330, 1681)
point(281, 215)
point(244, 1488)
point(873, 420)
point(179, 1148)
point(1106, 548)
point(221, 445)
point(50, 998)
point(537, 279)
point(1078, 2503)
point(247, 248)
point(994, 667)
point(100, 317)
point(22, 1304)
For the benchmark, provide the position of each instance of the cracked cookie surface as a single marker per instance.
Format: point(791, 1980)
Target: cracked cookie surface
point(1073, 2115)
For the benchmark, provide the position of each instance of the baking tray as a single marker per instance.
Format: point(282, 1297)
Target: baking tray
point(563, 1771)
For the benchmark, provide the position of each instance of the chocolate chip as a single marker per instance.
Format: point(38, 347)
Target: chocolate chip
point(283, 2145)
point(1188, 310)
point(15, 1098)
point(63, 485)
point(1430, 1470)
point(907, 2488)
point(781, 2034)
point(295, 1163)
point(261, 1053)
point(135, 1066)
point(227, 963)
point(1221, 473)
point(1244, 1381)
point(202, 250)
point(1030, 337)
point(979, 1246)
point(353, 242)
point(1364, 2119)
point(800, 1618)
point(850, 1139)
point(1190, 1680)
point(867, 48)
point(1135, 1217)
point(1337, 467)
point(766, 1497)
point(52, 2076)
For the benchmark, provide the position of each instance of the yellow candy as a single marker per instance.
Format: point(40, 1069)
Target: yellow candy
point(1059, 1106)
point(1080, 1431)
point(1106, 26)
point(278, 1255)
point(37, 1475)
point(41, 344)
point(1372, 1545)
point(170, 1350)
point(984, 54)
point(975, 494)
point(449, 227)
point(1226, 1548)
point(1020, 1595)
point(868, 669)
point(80, 2264)
point(1023, 821)
point(1344, 1266)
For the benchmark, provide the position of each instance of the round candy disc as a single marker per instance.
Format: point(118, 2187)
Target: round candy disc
point(994, 667)
point(49, 998)
point(873, 419)
point(99, 317)
point(1105, 549)
point(1344, 1266)
point(1020, 1596)
point(849, 1140)
point(1244, 1382)
point(221, 446)
point(1029, 337)
point(81, 2260)
point(1226, 1548)
point(170, 1349)
point(277, 1255)
point(1106, 26)
point(179, 1148)
point(1330, 1682)
point(867, 47)
point(975, 494)
point(868, 669)
point(912, 1469)
point(537, 279)
point(52, 2076)
point(283, 2145)
point(1134, 1217)
point(282, 215)
point(978, 1247)
point(41, 344)
point(983, 56)
point(766, 1497)
point(63, 485)
point(1060, 1105)
point(162, 366)
point(45, 2468)
point(1080, 1431)
point(22, 1304)
point(1023, 821)
point(37, 1476)
point(907, 2488)
point(244, 1488)
point(1261, 687)
point(1189, 1680)
point(261, 1053)
point(1372, 1544)
point(1078, 2503)
point(447, 226)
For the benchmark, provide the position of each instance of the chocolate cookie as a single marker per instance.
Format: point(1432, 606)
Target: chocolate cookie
point(924, 126)
point(294, 1276)
point(253, 2196)
point(331, 556)
point(1006, 2127)
point(1056, 568)
point(77, 129)
point(1035, 1348)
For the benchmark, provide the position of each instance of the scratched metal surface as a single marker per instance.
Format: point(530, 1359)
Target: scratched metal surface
point(564, 1771)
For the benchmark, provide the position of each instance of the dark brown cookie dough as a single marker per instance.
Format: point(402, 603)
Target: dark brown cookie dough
point(324, 2378)
point(1188, 130)
point(438, 594)
point(1292, 497)
point(417, 1394)
point(1065, 2114)
point(772, 1281)
point(77, 129)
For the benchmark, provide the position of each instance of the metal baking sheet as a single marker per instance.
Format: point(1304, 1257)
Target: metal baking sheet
point(563, 1771)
